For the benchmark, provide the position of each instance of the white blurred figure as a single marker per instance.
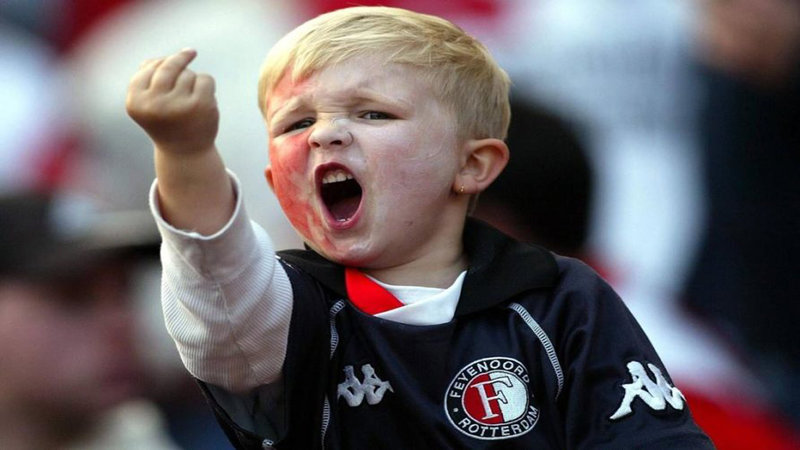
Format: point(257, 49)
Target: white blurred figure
point(33, 105)
point(622, 70)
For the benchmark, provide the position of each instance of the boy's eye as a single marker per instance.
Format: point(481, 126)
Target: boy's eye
point(300, 124)
point(376, 115)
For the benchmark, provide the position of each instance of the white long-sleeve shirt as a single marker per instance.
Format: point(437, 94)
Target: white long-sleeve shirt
point(226, 299)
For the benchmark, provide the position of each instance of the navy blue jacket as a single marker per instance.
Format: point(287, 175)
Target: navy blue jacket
point(541, 354)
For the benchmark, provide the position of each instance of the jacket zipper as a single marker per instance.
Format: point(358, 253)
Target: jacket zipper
point(326, 406)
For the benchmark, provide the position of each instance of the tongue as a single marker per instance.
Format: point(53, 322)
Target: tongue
point(345, 208)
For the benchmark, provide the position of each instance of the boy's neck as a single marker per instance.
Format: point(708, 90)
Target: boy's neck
point(438, 261)
point(433, 272)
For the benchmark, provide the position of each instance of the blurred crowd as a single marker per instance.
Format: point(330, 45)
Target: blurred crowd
point(658, 140)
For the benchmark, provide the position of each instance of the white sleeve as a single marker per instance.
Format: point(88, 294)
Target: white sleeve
point(227, 300)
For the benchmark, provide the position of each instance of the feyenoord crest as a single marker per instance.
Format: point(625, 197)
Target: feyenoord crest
point(490, 399)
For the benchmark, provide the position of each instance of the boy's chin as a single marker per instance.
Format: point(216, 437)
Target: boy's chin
point(344, 255)
point(342, 258)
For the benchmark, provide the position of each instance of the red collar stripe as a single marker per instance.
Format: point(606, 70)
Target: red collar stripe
point(368, 295)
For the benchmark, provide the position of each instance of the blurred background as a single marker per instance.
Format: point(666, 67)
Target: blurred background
point(657, 140)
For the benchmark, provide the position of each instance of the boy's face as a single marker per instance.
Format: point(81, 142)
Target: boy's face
point(363, 159)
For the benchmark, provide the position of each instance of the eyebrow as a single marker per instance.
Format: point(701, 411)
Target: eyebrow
point(285, 109)
point(354, 96)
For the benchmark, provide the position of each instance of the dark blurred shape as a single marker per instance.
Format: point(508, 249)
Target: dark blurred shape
point(746, 277)
point(72, 373)
point(544, 194)
point(49, 235)
point(62, 23)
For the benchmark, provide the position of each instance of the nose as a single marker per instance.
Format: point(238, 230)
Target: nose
point(330, 133)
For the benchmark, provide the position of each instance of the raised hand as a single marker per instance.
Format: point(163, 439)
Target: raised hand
point(175, 106)
point(178, 110)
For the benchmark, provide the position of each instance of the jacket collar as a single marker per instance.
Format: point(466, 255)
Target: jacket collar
point(499, 268)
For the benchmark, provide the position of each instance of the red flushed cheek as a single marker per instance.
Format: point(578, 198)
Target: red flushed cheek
point(297, 211)
point(294, 188)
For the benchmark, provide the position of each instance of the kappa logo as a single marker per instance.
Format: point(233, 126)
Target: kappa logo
point(354, 391)
point(490, 399)
point(655, 394)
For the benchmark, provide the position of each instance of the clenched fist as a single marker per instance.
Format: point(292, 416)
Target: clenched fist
point(175, 106)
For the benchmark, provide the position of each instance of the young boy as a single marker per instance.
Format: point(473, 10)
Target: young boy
point(404, 324)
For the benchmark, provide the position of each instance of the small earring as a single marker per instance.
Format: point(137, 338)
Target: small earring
point(461, 189)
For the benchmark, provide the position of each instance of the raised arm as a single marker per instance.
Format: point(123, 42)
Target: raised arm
point(227, 301)
point(178, 110)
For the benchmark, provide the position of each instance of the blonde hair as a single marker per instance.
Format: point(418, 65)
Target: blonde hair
point(461, 71)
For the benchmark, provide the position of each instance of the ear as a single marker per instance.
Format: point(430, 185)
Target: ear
point(483, 161)
point(268, 176)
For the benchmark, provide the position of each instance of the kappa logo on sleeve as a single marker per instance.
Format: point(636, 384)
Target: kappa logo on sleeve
point(656, 394)
point(490, 399)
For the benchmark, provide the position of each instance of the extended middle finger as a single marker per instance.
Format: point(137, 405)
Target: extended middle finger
point(168, 71)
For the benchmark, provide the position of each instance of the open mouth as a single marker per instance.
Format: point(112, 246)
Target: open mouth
point(341, 194)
